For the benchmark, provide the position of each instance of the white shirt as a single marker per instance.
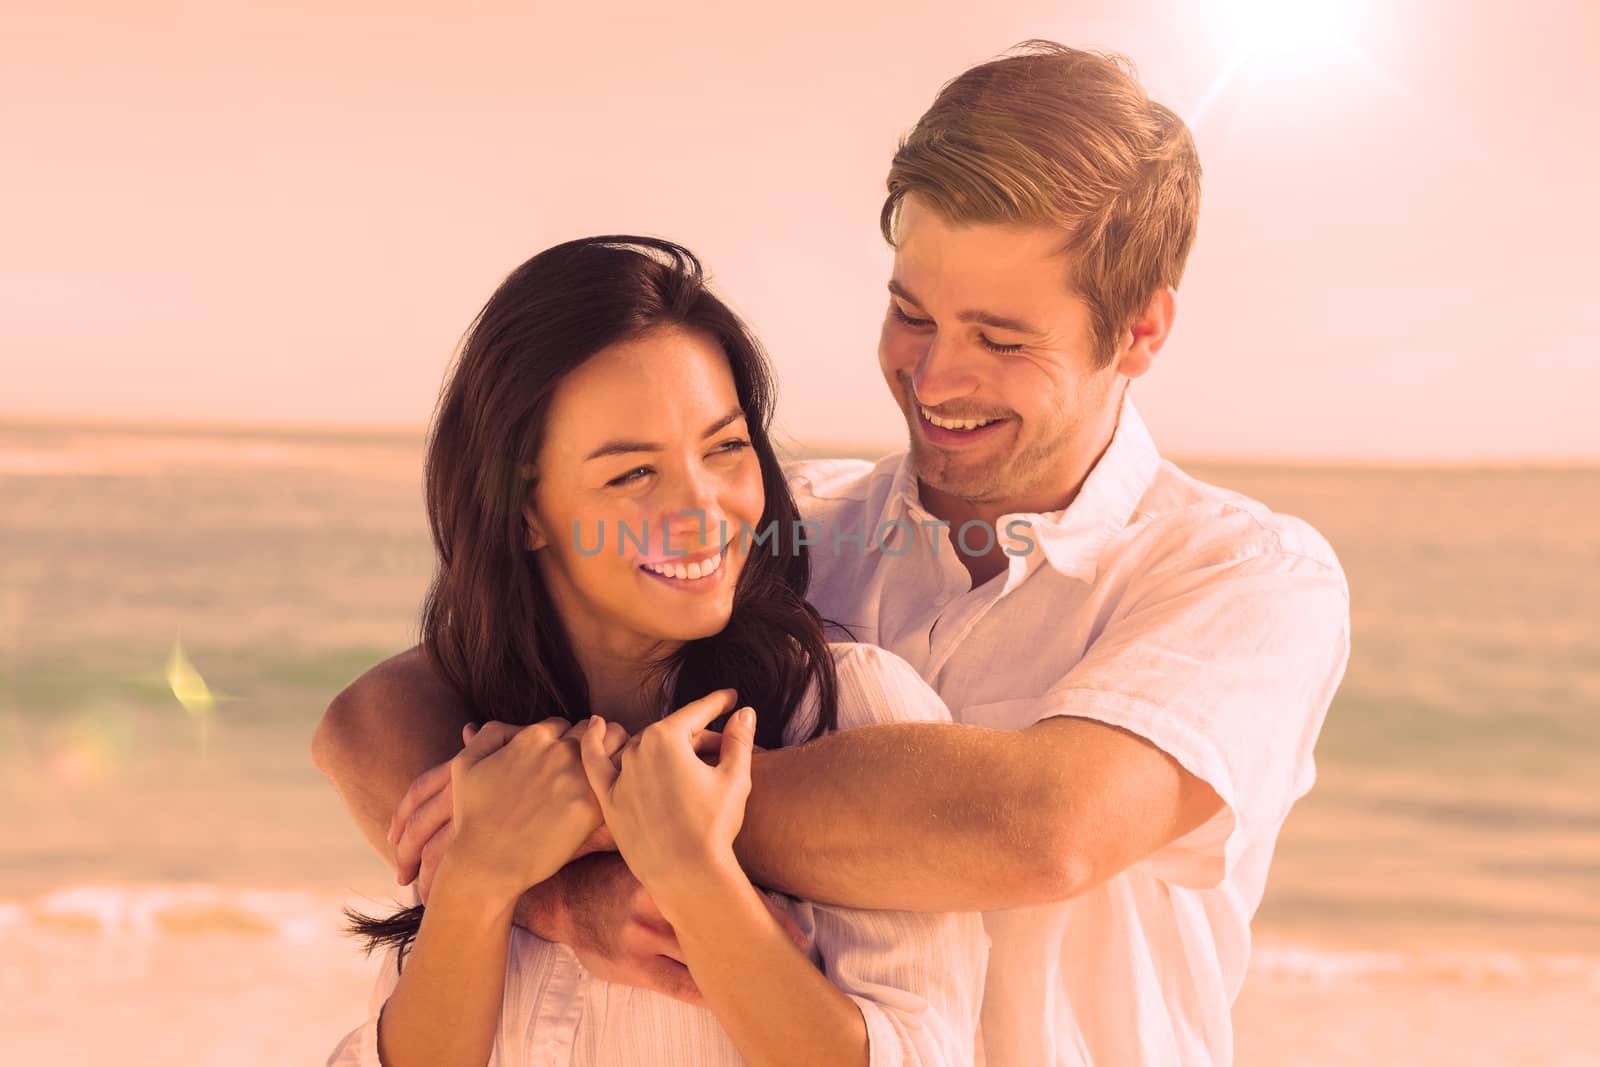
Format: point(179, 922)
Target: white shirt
point(1189, 615)
point(918, 979)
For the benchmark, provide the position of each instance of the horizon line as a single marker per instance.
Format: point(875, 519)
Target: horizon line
point(827, 449)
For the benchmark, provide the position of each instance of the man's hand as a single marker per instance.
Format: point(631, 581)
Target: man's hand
point(420, 830)
point(617, 932)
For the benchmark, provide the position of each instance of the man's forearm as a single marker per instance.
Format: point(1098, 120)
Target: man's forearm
point(912, 816)
point(371, 763)
point(377, 736)
point(548, 909)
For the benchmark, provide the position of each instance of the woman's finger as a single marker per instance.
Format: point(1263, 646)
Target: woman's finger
point(597, 767)
point(707, 744)
point(629, 750)
point(426, 785)
point(530, 741)
point(615, 738)
point(426, 821)
point(736, 742)
point(492, 737)
point(698, 714)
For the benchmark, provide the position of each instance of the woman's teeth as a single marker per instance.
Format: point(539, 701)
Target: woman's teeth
point(955, 424)
point(698, 568)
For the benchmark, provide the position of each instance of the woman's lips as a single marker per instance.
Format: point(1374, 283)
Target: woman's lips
point(685, 571)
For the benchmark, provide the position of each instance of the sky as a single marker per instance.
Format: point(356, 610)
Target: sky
point(233, 213)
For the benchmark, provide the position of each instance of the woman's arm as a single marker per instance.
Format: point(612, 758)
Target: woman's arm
point(675, 819)
point(446, 1006)
point(917, 979)
point(772, 1000)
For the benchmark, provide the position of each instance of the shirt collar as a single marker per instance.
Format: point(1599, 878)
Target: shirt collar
point(1070, 539)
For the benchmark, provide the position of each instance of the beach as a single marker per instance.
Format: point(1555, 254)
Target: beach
point(173, 870)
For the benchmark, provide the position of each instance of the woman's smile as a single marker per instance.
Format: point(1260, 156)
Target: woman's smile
point(689, 574)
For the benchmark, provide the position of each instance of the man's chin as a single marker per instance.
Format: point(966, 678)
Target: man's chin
point(966, 479)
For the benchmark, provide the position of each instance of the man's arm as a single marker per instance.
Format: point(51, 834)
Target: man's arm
point(382, 732)
point(944, 817)
point(388, 726)
point(401, 719)
point(1205, 690)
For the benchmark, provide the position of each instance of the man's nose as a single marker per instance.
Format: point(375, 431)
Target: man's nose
point(942, 373)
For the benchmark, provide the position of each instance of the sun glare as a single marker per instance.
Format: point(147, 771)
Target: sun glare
point(1282, 43)
point(1292, 35)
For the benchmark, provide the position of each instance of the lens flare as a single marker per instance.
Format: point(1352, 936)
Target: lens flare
point(187, 685)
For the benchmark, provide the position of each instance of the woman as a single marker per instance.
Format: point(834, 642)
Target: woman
point(599, 460)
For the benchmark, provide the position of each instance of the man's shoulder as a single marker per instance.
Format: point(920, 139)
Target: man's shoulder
point(410, 675)
point(833, 483)
point(1184, 517)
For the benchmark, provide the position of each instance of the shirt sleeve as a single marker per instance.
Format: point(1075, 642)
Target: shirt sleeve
point(1228, 664)
point(360, 1046)
point(916, 977)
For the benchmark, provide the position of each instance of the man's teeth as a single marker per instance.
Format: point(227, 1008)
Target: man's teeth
point(698, 568)
point(955, 424)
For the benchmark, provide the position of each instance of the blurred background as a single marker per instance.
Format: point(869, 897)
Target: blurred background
point(241, 242)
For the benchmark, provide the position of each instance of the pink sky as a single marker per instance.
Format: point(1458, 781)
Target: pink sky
point(218, 213)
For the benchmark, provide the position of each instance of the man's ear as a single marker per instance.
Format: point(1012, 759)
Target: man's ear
point(1148, 333)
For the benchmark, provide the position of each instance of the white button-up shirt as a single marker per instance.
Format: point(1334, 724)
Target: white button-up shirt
point(1191, 616)
point(917, 978)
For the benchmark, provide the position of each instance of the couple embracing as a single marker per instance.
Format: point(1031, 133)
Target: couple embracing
point(977, 754)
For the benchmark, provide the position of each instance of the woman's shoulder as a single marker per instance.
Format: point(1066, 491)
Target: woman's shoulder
point(875, 685)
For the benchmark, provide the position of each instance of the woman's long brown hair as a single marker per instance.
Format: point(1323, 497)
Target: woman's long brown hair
point(488, 621)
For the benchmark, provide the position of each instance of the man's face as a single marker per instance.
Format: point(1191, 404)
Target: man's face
point(991, 361)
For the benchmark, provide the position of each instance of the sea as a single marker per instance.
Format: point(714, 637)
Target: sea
point(178, 605)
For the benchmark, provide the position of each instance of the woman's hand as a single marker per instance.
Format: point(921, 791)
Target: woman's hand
point(675, 817)
point(522, 804)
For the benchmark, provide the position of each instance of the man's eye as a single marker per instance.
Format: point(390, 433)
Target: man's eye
point(631, 476)
point(1003, 349)
point(907, 319)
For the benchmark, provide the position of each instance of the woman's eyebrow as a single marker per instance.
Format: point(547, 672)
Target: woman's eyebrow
point(618, 448)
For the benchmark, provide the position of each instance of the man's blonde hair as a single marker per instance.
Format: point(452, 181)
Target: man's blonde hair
point(1049, 135)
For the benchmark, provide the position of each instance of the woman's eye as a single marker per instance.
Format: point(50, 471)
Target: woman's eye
point(631, 476)
point(907, 319)
point(733, 447)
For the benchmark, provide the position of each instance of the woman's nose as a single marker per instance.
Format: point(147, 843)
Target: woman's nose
point(691, 516)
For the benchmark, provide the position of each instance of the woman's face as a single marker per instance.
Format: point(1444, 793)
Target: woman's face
point(646, 469)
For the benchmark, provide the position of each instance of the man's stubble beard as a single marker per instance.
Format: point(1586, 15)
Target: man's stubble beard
point(1012, 475)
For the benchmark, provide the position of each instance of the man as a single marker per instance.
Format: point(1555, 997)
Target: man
point(1138, 663)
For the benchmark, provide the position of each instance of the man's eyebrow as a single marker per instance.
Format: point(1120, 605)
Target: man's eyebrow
point(982, 318)
point(618, 448)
